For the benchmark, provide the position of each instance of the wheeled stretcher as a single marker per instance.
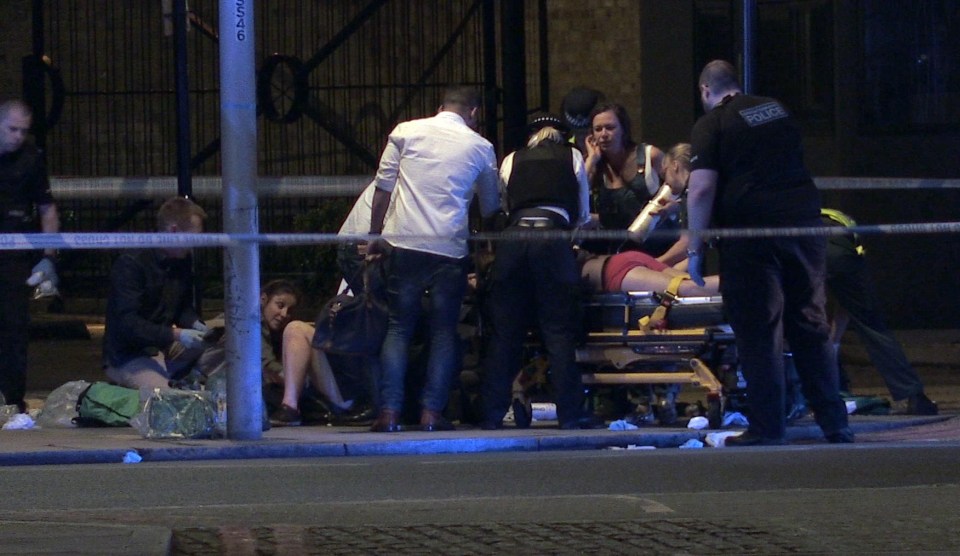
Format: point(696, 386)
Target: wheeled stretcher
point(685, 343)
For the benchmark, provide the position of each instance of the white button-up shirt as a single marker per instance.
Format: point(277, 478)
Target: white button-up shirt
point(433, 166)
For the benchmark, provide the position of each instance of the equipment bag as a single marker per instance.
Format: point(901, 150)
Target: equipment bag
point(354, 324)
point(106, 405)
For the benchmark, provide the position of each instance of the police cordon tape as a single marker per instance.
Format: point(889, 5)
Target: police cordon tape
point(207, 187)
point(21, 242)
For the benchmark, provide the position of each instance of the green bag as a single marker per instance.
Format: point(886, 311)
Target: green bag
point(106, 405)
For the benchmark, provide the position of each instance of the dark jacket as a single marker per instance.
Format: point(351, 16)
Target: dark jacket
point(23, 186)
point(148, 294)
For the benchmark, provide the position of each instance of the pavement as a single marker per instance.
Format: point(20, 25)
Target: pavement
point(67, 348)
point(55, 446)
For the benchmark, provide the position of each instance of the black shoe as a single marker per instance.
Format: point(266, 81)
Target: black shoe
point(751, 439)
point(388, 420)
point(666, 412)
point(920, 404)
point(796, 412)
point(433, 421)
point(489, 425)
point(842, 436)
point(361, 417)
point(285, 416)
point(584, 423)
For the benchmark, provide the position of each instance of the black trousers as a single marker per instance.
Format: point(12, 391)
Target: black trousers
point(533, 282)
point(773, 288)
point(14, 322)
point(849, 284)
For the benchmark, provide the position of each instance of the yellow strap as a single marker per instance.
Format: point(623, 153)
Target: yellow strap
point(838, 217)
point(659, 316)
point(846, 221)
point(673, 287)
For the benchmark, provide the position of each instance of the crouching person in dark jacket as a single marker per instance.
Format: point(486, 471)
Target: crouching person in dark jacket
point(153, 333)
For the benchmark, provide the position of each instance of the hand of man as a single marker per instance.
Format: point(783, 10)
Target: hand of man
point(43, 271)
point(376, 248)
point(694, 268)
point(200, 325)
point(191, 338)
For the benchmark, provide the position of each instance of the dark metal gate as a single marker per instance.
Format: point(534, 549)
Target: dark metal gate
point(334, 76)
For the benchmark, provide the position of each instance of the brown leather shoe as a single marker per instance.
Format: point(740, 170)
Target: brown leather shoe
point(387, 421)
point(431, 421)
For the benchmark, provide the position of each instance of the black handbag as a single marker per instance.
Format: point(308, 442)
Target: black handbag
point(352, 324)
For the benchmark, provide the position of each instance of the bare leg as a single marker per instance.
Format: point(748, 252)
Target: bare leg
point(711, 286)
point(299, 358)
point(645, 279)
point(297, 352)
point(324, 380)
point(143, 373)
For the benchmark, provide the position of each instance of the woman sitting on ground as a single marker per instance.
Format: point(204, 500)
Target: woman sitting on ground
point(288, 358)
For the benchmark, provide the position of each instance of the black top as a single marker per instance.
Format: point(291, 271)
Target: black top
point(617, 208)
point(23, 186)
point(755, 146)
point(543, 176)
point(148, 294)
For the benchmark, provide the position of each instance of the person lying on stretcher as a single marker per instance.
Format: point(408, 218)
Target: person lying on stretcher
point(637, 271)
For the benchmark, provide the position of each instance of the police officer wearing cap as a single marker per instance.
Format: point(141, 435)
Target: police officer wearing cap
point(544, 187)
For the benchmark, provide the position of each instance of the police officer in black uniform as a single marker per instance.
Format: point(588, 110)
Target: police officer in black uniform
point(748, 172)
point(537, 280)
point(852, 288)
point(24, 196)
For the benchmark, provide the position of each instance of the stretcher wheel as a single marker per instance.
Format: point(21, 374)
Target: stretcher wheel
point(714, 411)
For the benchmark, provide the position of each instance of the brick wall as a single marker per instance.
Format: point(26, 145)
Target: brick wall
point(596, 44)
point(14, 45)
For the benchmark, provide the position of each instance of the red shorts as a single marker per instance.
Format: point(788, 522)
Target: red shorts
point(616, 267)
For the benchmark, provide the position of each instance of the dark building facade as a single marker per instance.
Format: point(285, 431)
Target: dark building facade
point(874, 82)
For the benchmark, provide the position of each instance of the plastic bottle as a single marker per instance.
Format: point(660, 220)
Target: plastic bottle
point(7, 412)
point(180, 414)
point(217, 385)
point(162, 416)
point(544, 411)
point(645, 221)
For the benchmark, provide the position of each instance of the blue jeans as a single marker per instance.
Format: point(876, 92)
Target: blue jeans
point(410, 274)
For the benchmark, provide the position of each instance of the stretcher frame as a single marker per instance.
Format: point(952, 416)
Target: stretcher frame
point(617, 350)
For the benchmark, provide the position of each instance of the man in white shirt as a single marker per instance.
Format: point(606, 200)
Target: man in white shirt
point(432, 167)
